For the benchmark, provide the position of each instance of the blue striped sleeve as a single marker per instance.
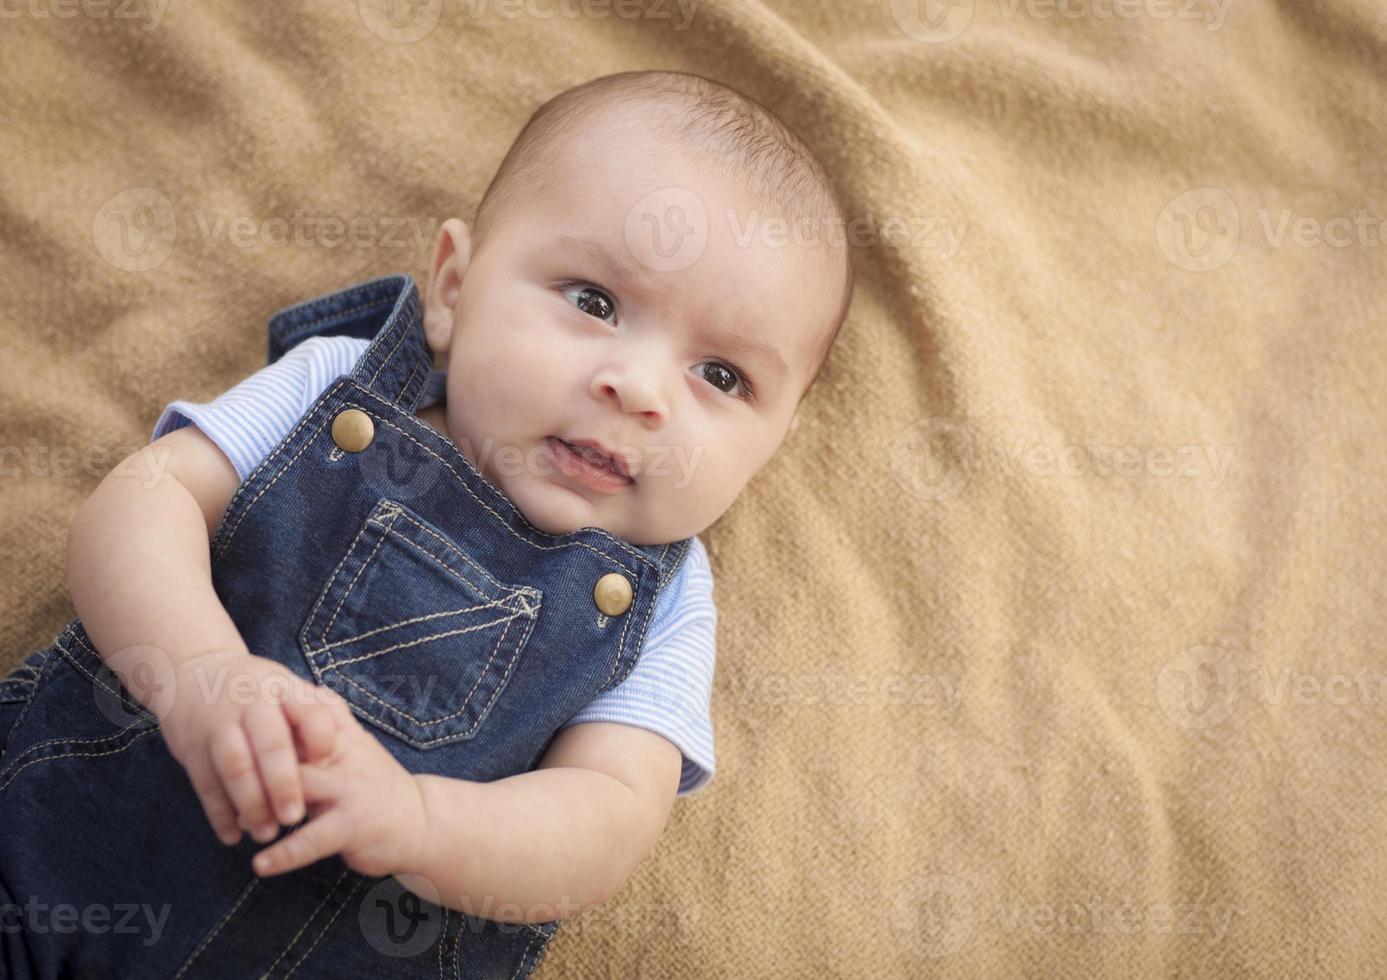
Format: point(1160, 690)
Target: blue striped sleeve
point(249, 419)
point(669, 689)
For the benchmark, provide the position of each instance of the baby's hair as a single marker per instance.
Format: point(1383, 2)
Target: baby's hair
point(737, 135)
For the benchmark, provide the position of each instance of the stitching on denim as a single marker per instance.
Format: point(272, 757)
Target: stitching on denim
point(26, 675)
point(250, 887)
point(335, 664)
point(645, 627)
point(520, 967)
point(81, 755)
point(672, 565)
point(620, 649)
point(134, 706)
point(402, 331)
point(289, 341)
point(393, 510)
point(10, 760)
point(501, 586)
point(27, 704)
point(327, 588)
point(313, 915)
point(421, 743)
point(299, 329)
point(327, 925)
point(285, 442)
point(365, 564)
point(323, 646)
point(24, 668)
point(406, 387)
point(407, 622)
point(142, 715)
point(15, 691)
point(327, 394)
point(292, 312)
point(509, 592)
point(443, 940)
point(457, 948)
point(486, 669)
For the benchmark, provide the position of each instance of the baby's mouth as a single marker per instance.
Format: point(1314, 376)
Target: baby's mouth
point(597, 459)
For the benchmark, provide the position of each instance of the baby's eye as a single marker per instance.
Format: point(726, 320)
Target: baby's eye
point(723, 378)
point(592, 301)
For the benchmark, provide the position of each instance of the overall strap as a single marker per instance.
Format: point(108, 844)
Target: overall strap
point(386, 311)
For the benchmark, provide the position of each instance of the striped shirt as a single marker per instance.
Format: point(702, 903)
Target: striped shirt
point(669, 689)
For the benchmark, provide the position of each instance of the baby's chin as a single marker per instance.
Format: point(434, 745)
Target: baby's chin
point(557, 510)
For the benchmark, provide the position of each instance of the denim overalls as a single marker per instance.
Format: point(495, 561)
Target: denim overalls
point(393, 572)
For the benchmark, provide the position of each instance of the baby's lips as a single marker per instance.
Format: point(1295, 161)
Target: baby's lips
point(630, 461)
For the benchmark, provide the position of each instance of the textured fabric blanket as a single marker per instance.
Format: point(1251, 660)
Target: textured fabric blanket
point(1051, 643)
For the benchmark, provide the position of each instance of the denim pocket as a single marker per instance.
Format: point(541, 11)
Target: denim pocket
point(18, 685)
point(16, 691)
point(415, 633)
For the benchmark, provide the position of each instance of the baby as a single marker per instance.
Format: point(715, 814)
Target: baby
point(453, 627)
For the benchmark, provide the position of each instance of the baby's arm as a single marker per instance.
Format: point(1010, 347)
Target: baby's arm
point(139, 571)
point(549, 843)
point(533, 847)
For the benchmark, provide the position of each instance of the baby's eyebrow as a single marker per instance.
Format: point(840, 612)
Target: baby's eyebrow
point(611, 267)
point(595, 253)
point(769, 356)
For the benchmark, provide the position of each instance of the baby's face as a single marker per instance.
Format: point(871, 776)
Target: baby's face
point(546, 340)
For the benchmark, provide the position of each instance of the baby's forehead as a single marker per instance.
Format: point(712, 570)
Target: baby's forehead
point(631, 144)
point(655, 198)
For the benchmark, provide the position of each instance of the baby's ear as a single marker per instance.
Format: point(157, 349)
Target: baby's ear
point(451, 255)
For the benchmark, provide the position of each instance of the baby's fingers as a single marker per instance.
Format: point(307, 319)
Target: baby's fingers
point(314, 725)
point(321, 837)
point(235, 766)
point(215, 803)
point(276, 758)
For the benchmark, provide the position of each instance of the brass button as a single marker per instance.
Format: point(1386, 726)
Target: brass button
point(353, 430)
point(612, 594)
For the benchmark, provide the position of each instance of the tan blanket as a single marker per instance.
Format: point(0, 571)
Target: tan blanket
point(1051, 644)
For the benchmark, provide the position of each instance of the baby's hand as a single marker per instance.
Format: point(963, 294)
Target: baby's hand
point(239, 725)
point(362, 804)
